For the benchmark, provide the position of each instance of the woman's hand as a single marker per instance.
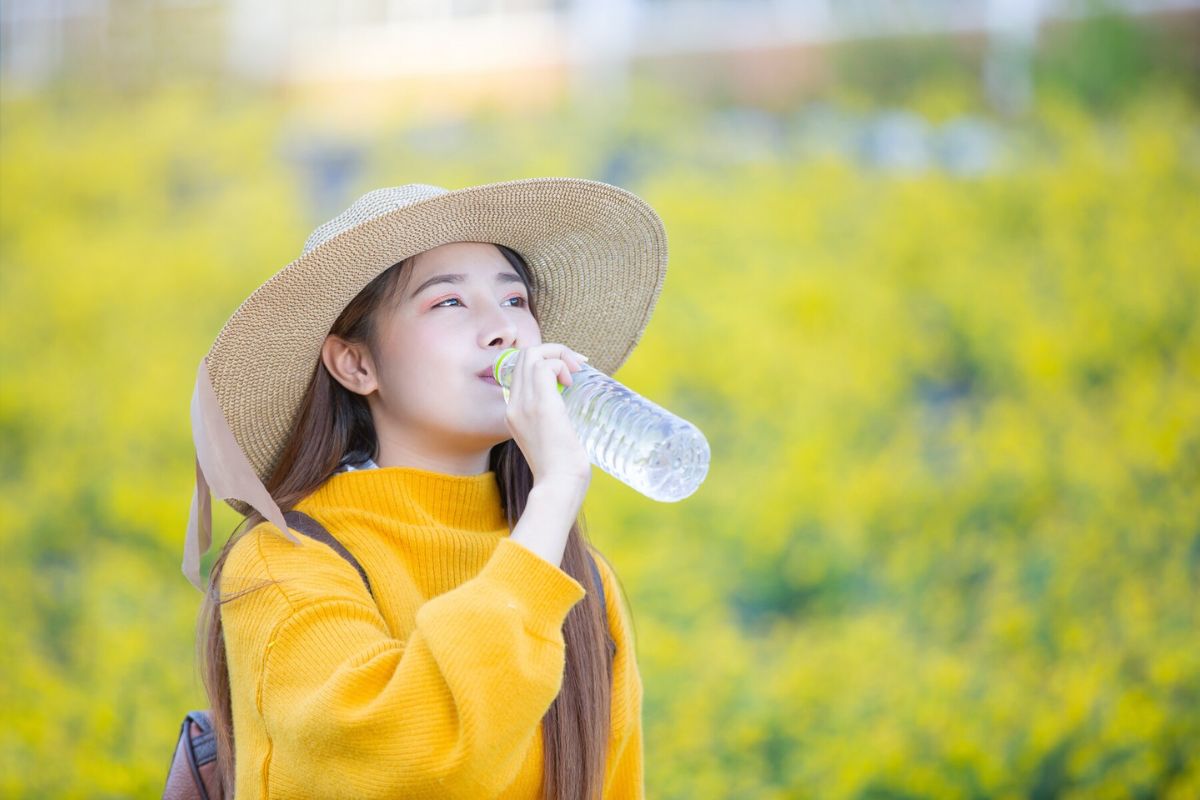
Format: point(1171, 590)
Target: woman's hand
point(537, 416)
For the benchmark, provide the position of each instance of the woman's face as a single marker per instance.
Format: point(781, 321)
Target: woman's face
point(459, 307)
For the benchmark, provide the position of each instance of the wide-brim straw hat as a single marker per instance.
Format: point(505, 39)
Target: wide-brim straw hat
point(597, 255)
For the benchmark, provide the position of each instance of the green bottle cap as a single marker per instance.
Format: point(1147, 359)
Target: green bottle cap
point(500, 360)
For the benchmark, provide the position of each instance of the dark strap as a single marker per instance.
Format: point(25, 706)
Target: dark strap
point(199, 750)
point(204, 745)
point(599, 588)
point(603, 603)
point(302, 522)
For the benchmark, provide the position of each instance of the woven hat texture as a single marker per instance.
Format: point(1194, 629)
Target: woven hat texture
point(597, 254)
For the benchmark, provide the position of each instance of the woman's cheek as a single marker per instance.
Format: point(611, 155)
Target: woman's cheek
point(531, 334)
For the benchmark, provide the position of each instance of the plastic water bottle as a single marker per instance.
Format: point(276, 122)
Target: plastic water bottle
point(636, 441)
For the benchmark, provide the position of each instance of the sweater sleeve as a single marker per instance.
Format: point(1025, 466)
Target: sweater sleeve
point(450, 711)
point(625, 779)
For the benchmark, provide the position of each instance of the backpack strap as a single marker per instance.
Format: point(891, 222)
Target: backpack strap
point(599, 587)
point(612, 646)
point(315, 530)
point(204, 745)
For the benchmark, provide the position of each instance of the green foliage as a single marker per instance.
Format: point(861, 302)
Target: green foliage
point(1102, 59)
point(1106, 58)
point(949, 543)
point(896, 70)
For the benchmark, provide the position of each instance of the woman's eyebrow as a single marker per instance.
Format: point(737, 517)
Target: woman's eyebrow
point(501, 277)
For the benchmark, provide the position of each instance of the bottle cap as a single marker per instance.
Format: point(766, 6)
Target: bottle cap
point(500, 360)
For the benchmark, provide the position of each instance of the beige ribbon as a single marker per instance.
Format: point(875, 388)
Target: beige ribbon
point(221, 465)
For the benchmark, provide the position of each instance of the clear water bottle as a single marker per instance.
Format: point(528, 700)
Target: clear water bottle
point(629, 437)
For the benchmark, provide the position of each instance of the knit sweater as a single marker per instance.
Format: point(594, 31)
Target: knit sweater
point(436, 688)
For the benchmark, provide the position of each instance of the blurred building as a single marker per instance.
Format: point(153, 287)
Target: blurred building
point(520, 47)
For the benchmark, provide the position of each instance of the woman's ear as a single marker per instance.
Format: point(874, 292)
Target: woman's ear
point(350, 364)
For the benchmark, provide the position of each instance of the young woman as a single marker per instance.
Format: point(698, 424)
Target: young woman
point(475, 655)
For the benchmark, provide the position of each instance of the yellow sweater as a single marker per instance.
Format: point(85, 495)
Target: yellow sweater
point(434, 689)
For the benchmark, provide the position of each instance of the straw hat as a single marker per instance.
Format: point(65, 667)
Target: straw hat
point(597, 255)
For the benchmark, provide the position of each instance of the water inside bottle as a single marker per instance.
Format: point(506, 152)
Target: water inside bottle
point(636, 440)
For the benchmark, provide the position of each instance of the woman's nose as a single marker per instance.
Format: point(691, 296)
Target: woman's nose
point(498, 329)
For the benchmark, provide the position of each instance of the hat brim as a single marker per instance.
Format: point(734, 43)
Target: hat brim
point(597, 253)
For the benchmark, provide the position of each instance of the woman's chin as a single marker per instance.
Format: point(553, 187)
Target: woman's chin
point(501, 438)
point(496, 435)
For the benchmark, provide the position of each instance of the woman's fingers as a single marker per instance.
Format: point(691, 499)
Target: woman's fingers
point(556, 350)
point(562, 359)
point(537, 416)
point(555, 367)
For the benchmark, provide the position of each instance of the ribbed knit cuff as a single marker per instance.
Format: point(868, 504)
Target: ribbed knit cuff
point(546, 592)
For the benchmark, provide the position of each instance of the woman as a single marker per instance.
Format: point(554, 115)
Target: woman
point(474, 656)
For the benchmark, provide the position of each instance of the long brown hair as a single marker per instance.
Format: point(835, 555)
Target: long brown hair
point(333, 422)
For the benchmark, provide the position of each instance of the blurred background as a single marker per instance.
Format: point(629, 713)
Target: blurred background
point(934, 276)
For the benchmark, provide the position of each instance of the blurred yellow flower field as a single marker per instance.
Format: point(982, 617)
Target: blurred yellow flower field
point(949, 545)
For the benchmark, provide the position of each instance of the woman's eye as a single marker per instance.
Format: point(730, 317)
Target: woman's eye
point(520, 301)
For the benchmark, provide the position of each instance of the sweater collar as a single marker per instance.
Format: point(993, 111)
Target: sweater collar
point(414, 496)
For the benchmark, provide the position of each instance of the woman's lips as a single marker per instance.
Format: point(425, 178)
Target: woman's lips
point(488, 379)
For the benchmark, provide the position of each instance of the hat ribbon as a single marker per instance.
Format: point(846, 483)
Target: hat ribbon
point(223, 468)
